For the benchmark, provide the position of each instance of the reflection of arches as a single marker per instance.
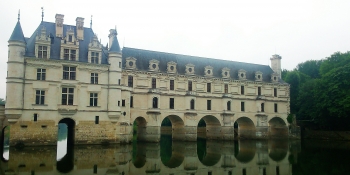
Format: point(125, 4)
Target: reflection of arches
point(66, 164)
point(278, 149)
point(246, 128)
point(139, 155)
point(155, 102)
point(172, 153)
point(245, 150)
point(139, 127)
point(207, 152)
point(278, 128)
point(177, 129)
point(5, 143)
point(70, 130)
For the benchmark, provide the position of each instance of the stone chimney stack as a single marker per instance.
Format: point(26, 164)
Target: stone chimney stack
point(59, 25)
point(80, 28)
point(276, 64)
point(112, 33)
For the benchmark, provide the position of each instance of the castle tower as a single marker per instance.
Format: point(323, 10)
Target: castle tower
point(276, 64)
point(16, 74)
point(115, 61)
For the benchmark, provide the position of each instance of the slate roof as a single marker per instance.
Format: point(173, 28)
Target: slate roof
point(144, 56)
point(56, 42)
point(115, 45)
point(17, 34)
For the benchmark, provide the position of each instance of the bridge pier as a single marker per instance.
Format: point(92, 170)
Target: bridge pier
point(149, 134)
point(185, 133)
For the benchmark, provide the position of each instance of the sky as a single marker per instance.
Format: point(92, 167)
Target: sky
point(246, 31)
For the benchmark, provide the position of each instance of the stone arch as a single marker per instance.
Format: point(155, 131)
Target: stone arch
point(278, 128)
point(245, 150)
point(177, 129)
point(140, 129)
point(245, 128)
point(212, 128)
point(70, 124)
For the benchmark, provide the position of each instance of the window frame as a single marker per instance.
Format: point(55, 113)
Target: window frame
point(93, 99)
point(208, 105)
point(94, 78)
point(192, 104)
point(242, 90)
point(130, 81)
point(228, 105)
point(154, 83)
point(262, 107)
point(40, 97)
point(155, 102)
point(69, 99)
point(70, 54)
point(208, 87)
point(189, 86)
point(226, 88)
point(275, 107)
point(95, 56)
point(275, 92)
point(172, 83)
point(242, 106)
point(171, 103)
point(259, 90)
point(40, 74)
point(42, 51)
point(70, 73)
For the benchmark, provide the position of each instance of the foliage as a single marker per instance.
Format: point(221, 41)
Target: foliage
point(2, 101)
point(290, 118)
point(320, 91)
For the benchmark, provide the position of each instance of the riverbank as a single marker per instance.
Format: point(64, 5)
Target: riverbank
point(326, 135)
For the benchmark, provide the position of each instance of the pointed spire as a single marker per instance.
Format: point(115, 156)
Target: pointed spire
point(115, 45)
point(17, 34)
point(19, 15)
point(91, 22)
point(42, 13)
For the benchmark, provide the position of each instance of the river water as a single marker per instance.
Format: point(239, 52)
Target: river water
point(243, 157)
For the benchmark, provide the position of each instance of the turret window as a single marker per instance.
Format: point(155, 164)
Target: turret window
point(42, 52)
point(94, 57)
point(70, 54)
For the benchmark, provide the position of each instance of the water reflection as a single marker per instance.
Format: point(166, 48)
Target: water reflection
point(166, 157)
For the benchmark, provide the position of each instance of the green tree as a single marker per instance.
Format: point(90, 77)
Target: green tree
point(310, 68)
point(2, 101)
point(334, 61)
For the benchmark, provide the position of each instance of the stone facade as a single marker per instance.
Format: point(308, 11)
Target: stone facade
point(63, 74)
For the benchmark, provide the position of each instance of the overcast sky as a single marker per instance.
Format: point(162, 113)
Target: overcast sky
point(246, 30)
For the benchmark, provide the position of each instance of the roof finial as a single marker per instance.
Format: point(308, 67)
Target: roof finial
point(19, 14)
point(115, 29)
point(91, 22)
point(42, 13)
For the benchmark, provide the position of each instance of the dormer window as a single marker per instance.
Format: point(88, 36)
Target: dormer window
point(70, 54)
point(130, 63)
point(153, 65)
point(225, 72)
point(258, 76)
point(171, 67)
point(94, 57)
point(274, 77)
point(189, 69)
point(242, 74)
point(70, 38)
point(42, 51)
point(208, 71)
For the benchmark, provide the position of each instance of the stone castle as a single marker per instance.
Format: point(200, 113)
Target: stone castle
point(63, 74)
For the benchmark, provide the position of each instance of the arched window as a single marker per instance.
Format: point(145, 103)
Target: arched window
point(262, 107)
point(155, 102)
point(192, 104)
point(229, 105)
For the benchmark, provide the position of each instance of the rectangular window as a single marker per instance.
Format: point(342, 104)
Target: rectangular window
point(208, 104)
point(69, 73)
point(94, 57)
point(154, 83)
point(70, 54)
point(93, 99)
point(262, 107)
point(259, 90)
point(242, 90)
point(41, 74)
point(42, 52)
point(123, 102)
point(97, 119)
point(171, 84)
point(70, 38)
point(40, 97)
point(130, 81)
point(35, 117)
point(120, 64)
point(94, 78)
point(208, 87)
point(118, 81)
point(242, 106)
point(171, 103)
point(67, 96)
point(118, 103)
point(189, 85)
point(131, 101)
point(226, 88)
point(275, 107)
point(275, 92)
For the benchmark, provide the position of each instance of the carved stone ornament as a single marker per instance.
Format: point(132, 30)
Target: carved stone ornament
point(171, 67)
point(208, 71)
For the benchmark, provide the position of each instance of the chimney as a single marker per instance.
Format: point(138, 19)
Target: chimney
point(112, 33)
point(276, 64)
point(59, 25)
point(80, 28)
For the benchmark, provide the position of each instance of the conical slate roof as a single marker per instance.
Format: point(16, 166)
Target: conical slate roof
point(115, 45)
point(17, 34)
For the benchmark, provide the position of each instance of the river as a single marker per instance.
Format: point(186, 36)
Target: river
point(204, 157)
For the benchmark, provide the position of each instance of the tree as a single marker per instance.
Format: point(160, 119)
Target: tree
point(2, 101)
point(310, 68)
